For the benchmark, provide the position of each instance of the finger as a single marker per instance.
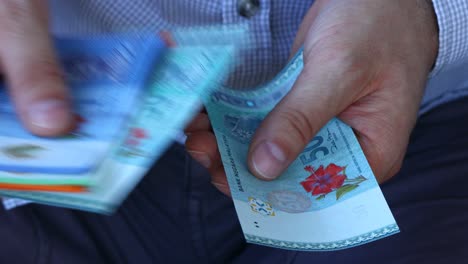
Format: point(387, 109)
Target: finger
point(219, 180)
point(305, 26)
point(31, 70)
point(203, 148)
point(383, 132)
point(200, 123)
point(324, 89)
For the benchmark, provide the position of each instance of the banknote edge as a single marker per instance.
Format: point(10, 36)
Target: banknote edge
point(328, 246)
point(77, 203)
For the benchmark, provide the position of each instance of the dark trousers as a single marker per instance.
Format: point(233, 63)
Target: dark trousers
point(176, 216)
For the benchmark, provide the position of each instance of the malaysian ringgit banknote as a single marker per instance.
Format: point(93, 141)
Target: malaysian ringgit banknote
point(328, 199)
point(183, 75)
point(106, 75)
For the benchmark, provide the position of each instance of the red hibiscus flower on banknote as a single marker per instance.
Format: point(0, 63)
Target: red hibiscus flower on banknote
point(138, 133)
point(132, 146)
point(324, 180)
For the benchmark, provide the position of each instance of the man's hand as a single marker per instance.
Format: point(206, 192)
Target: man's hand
point(365, 61)
point(28, 63)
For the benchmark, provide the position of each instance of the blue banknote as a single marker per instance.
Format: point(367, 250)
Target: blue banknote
point(328, 198)
point(181, 78)
point(106, 76)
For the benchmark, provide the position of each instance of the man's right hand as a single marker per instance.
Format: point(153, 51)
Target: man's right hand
point(30, 68)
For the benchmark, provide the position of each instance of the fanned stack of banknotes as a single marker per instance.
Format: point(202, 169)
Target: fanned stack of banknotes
point(133, 93)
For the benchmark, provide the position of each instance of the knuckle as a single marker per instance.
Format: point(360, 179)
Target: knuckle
point(394, 169)
point(378, 161)
point(387, 158)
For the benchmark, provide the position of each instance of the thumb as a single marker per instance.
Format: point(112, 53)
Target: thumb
point(323, 90)
point(29, 64)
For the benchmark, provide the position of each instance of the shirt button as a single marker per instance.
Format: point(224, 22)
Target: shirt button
point(248, 8)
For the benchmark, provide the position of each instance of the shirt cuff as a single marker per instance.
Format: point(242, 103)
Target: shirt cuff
point(452, 18)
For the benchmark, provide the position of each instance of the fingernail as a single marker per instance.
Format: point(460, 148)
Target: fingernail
point(49, 114)
point(268, 160)
point(201, 157)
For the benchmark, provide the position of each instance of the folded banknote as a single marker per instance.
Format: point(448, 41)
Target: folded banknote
point(182, 76)
point(106, 76)
point(328, 198)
